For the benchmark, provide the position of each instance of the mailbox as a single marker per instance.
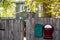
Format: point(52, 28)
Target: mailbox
point(38, 30)
point(48, 31)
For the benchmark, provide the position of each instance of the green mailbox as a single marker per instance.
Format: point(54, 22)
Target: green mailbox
point(38, 30)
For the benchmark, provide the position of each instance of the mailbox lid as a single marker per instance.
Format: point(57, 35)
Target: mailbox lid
point(38, 30)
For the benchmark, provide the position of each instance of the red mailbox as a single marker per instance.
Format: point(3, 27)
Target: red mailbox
point(48, 31)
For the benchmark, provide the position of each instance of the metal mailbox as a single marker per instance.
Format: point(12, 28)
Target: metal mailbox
point(38, 31)
point(48, 31)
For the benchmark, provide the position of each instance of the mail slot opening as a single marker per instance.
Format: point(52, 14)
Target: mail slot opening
point(1, 27)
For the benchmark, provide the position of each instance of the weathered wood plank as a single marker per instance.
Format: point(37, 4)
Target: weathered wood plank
point(55, 22)
point(13, 30)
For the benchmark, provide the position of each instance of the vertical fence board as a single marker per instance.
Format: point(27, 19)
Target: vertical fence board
point(28, 29)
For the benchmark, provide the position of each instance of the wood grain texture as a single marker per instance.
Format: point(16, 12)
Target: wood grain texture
point(55, 22)
point(13, 30)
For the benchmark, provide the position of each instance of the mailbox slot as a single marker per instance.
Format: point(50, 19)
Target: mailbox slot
point(1, 27)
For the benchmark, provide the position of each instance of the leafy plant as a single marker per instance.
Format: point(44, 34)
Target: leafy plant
point(50, 6)
point(8, 8)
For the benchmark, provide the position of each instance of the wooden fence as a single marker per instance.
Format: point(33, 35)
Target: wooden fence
point(55, 22)
point(11, 30)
